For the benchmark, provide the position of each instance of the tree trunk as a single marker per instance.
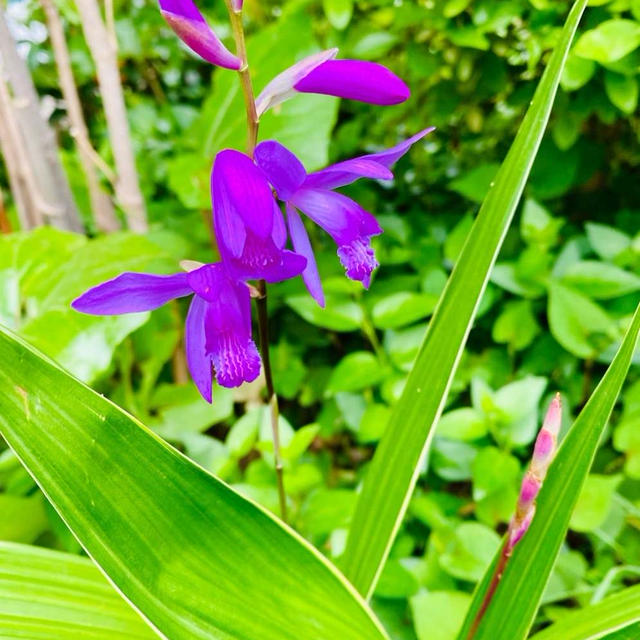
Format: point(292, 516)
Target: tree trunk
point(37, 139)
point(104, 55)
point(101, 204)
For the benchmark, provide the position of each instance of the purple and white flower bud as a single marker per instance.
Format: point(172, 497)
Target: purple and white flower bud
point(543, 453)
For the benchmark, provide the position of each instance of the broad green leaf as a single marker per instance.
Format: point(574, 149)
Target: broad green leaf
point(598, 620)
point(193, 556)
point(475, 184)
point(606, 241)
point(594, 502)
point(578, 324)
point(577, 72)
point(622, 91)
point(600, 280)
point(527, 572)
point(48, 594)
point(462, 424)
point(609, 41)
point(43, 270)
point(340, 313)
point(22, 518)
point(453, 7)
point(402, 308)
point(394, 469)
point(438, 615)
point(338, 12)
point(356, 371)
point(516, 325)
point(469, 551)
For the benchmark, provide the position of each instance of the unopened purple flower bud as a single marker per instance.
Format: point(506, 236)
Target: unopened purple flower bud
point(185, 19)
point(360, 80)
point(543, 452)
point(528, 490)
point(518, 529)
point(546, 441)
point(281, 87)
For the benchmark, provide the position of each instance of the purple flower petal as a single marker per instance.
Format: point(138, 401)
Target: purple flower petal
point(342, 173)
point(302, 245)
point(262, 260)
point(358, 259)
point(356, 80)
point(279, 234)
point(198, 361)
point(341, 217)
point(219, 330)
point(185, 19)
point(389, 157)
point(132, 292)
point(283, 170)
point(242, 200)
point(281, 87)
point(372, 165)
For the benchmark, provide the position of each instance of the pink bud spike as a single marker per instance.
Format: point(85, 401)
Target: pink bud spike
point(553, 419)
point(528, 491)
point(519, 529)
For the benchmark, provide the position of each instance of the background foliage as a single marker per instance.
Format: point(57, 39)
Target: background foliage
point(565, 286)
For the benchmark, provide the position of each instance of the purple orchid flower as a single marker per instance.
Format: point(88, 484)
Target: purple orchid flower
point(350, 226)
point(185, 19)
point(320, 73)
point(248, 223)
point(218, 326)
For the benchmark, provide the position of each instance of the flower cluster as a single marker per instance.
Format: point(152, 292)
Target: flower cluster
point(250, 227)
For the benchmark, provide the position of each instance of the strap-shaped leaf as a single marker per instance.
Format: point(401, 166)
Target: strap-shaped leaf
point(617, 612)
point(194, 557)
point(48, 594)
point(396, 464)
point(516, 599)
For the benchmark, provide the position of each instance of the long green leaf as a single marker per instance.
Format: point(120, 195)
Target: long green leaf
point(597, 621)
point(393, 472)
point(526, 574)
point(48, 594)
point(194, 557)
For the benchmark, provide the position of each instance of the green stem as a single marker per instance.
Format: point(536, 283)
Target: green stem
point(253, 123)
point(272, 398)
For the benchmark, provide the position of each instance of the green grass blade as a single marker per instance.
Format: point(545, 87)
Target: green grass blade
point(48, 594)
point(515, 602)
point(395, 466)
point(194, 557)
point(597, 621)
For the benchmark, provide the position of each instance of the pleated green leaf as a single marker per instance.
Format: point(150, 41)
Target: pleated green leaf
point(195, 558)
point(617, 612)
point(516, 599)
point(393, 472)
point(48, 594)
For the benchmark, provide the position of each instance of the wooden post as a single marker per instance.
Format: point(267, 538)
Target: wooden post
point(104, 214)
point(37, 139)
point(104, 55)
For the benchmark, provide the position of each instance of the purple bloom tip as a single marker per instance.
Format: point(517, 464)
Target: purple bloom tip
point(281, 87)
point(529, 489)
point(189, 25)
point(520, 528)
point(359, 260)
point(355, 80)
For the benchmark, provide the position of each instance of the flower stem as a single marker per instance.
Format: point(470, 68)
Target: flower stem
point(245, 78)
point(263, 319)
point(272, 398)
point(505, 553)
